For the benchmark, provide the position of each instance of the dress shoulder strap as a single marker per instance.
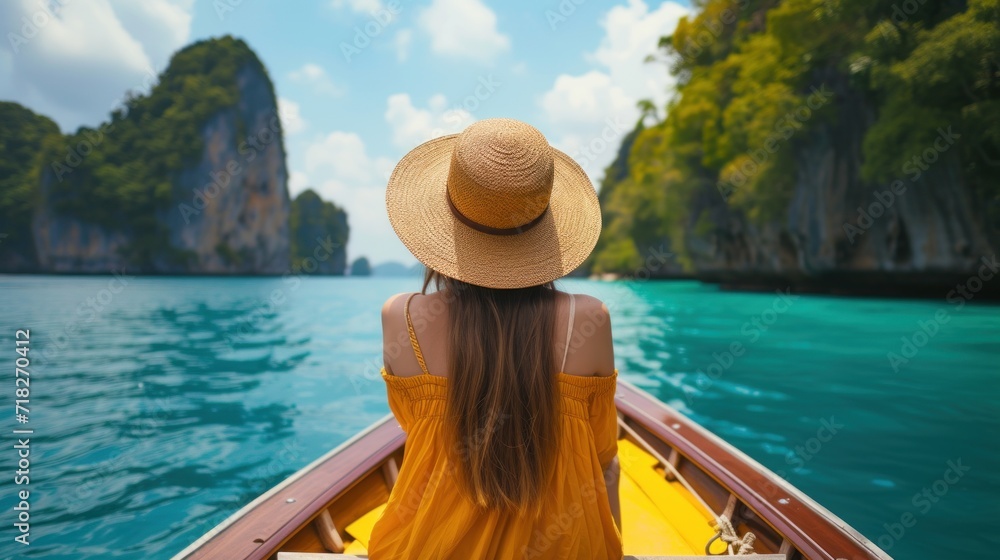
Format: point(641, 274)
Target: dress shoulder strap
point(413, 335)
point(569, 332)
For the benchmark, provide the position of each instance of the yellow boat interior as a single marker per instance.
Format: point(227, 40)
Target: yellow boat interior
point(660, 517)
point(684, 493)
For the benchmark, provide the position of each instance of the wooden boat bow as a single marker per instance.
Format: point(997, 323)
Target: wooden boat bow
point(309, 511)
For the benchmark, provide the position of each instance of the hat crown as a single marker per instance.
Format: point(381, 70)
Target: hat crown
point(501, 173)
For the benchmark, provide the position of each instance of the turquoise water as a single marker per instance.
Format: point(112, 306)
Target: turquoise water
point(163, 405)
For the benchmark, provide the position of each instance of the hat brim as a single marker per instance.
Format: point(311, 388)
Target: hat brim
point(419, 213)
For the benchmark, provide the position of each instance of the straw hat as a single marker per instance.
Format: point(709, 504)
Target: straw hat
point(494, 206)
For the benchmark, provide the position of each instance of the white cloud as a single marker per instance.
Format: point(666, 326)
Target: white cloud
point(103, 48)
point(315, 76)
point(297, 182)
point(463, 29)
point(291, 116)
point(164, 26)
point(589, 111)
point(339, 168)
point(342, 156)
point(631, 34)
point(365, 6)
point(577, 102)
point(402, 42)
point(412, 126)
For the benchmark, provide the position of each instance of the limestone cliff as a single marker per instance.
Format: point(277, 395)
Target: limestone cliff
point(190, 178)
point(233, 205)
point(924, 221)
point(821, 146)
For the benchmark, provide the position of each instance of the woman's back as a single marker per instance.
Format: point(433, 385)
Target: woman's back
point(428, 514)
point(589, 353)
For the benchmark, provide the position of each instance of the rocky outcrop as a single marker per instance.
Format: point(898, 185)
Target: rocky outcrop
point(361, 267)
point(69, 244)
point(850, 152)
point(233, 207)
point(212, 194)
point(229, 213)
point(920, 230)
point(319, 235)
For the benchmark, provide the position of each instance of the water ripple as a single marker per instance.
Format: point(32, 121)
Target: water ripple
point(185, 398)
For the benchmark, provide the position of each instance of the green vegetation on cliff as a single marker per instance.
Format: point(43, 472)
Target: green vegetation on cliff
point(319, 233)
point(121, 175)
point(756, 78)
point(21, 139)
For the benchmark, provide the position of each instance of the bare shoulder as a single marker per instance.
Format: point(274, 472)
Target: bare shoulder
point(393, 303)
point(394, 333)
point(591, 351)
point(593, 316)
point(591, 305)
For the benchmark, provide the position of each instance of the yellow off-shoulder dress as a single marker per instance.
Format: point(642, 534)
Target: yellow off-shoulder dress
point(428, 517)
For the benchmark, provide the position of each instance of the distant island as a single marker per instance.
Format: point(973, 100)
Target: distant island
point(189, 179)
point(393, 268)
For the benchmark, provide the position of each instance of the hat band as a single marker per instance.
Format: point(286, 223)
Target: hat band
point(487, 229)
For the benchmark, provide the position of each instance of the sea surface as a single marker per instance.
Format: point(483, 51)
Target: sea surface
point(162, 405)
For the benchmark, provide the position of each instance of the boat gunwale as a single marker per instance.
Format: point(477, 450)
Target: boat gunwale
point(708, 463)
point(634, 403)
point(297, 475)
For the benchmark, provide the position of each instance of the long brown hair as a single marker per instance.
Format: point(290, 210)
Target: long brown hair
point(501, 411)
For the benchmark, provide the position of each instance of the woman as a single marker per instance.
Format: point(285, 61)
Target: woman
point(504, 385)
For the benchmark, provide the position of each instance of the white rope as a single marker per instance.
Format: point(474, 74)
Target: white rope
point(726, 532)
point(680, 478)
point(723, 526)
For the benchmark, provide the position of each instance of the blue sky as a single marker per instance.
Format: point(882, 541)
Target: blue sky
point(360, 82)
